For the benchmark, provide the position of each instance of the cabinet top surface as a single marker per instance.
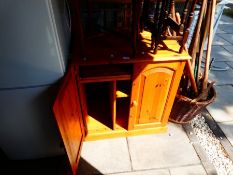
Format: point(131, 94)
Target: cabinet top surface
point(144, 54)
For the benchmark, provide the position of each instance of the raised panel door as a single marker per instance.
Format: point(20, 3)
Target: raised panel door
point(68, 115)
point(156, 84)
point(153, 92)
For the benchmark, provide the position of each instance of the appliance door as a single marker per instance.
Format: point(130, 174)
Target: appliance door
point(27, 126)
point(32, 42)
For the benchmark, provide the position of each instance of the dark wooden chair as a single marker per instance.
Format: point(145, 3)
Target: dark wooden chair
point(164, 25)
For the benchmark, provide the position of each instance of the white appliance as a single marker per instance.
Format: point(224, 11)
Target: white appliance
point(34, 43)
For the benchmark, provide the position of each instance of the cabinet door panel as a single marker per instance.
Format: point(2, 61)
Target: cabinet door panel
point(153, 92)
point(68, 115)
point(156, 84)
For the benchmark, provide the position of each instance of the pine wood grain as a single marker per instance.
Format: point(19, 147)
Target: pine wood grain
point(68, 115)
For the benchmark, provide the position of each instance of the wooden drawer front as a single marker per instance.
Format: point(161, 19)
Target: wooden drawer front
point(155, 83)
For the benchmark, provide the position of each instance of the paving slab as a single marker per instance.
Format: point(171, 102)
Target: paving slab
point(104, 156)
point(229, 48)
point(171, 149)
point(227, 27)
point(220, 54)
point(188, 170)
point(219, 31)
point(225, 20)
point(230, 64)
point(227, 36)
point(222, 109)
point(221, 76)
point(147, 172)
point(227, 128)
point(219, 41)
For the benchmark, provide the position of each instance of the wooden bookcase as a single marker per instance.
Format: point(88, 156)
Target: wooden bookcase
point(118, 97)
point(109, 89)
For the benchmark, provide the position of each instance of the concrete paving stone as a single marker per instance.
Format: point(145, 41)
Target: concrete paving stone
point(188, 170)
point(190, 133)
point(222, 109)
point(227, 128)
point(228, 28)
point(229, 48)
point(220, 41)
point(209, 168)
point(227, 36)
point(225, 20)
point(201, 152)
point(221, 76)
point(219, 31)
point(162, 150)
point(104, 156)
point(220, 54)
point(230, 64)
point(147, 172)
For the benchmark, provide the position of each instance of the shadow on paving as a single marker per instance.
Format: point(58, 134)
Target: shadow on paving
point(45, 166)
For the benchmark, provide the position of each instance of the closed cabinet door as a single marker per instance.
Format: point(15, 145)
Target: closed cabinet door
point(155, 83)
point(151, 92)
point(67, 111)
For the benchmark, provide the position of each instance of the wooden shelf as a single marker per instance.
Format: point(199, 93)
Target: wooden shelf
point(122, 52)
point(104, 110)
point(101, 73)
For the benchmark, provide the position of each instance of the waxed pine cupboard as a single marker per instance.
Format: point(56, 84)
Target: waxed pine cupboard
point(115, 86)
point(117, 98)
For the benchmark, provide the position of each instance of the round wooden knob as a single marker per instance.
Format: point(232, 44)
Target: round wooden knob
point(135, 103)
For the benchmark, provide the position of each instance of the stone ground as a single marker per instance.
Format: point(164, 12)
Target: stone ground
point(222, 109)
point(171, 153)
point(176, 152)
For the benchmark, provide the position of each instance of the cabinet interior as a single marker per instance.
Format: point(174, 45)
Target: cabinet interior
point(98, 102)
point(123, 94)
point(106, 25)
point(107, 91)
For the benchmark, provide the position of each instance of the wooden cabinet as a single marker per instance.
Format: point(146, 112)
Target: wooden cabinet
point(116, 87)
point(153, 91)
point(116, 98)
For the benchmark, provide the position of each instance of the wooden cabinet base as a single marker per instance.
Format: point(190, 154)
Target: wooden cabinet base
point(121, 132)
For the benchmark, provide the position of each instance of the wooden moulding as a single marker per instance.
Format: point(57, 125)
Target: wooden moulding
point(121, 132)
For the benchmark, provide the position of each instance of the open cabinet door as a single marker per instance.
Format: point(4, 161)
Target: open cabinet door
point(67, 111)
